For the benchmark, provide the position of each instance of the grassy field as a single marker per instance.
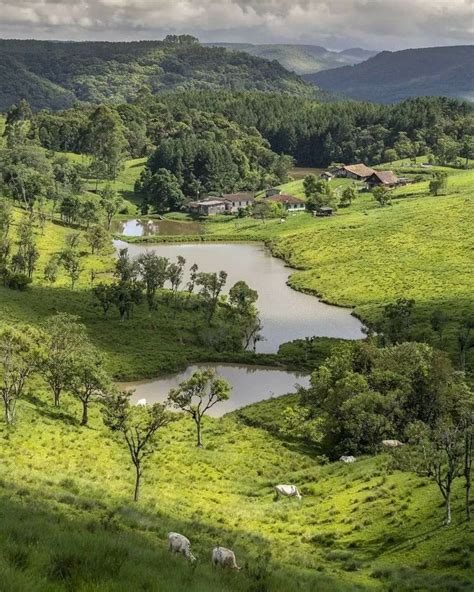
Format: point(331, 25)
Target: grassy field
point(68, 522)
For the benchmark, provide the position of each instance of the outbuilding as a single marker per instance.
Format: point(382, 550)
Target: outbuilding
point(385, 178)
point(324, 211)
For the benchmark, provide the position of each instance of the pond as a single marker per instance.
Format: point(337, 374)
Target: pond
point(145, 227)
point(249, 384)
point(286, 314)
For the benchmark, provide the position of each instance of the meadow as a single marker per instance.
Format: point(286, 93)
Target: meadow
point(68, 522)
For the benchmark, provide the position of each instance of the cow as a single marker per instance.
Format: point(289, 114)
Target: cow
point(225, 558)
point(141, 402)
point(178, 543)
point(347, 459)
point(287, 491)
point(392, 443)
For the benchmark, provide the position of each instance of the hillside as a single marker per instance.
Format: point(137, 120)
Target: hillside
point(302, 59)
point(393, 76)
point(56, 74)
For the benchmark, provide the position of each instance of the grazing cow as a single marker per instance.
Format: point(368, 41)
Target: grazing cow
point(177, 543)
point(225, 558)
point(141, 402)
point(287, 491)
point(392, 443)
point(347, 459)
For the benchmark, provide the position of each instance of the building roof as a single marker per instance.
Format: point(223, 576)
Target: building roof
point(235, 197)
point(287, 199)
point(359, 169)
point(385, 177)
point(207, 202)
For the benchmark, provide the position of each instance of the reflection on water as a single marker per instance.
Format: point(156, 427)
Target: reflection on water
point(249, 385)
point(143, 227)
point(285, 313)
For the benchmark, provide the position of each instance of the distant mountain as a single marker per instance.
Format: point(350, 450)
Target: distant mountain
point(389, 77)
point(302, 59)
point(52, 74)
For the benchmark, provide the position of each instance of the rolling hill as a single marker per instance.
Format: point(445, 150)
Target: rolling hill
point(302, 59)
point(54, 75)
point(393, 76)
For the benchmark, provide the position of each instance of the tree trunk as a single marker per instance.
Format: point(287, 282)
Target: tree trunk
point(9, 413)
point(137, 483)
point(85, 413)
point(57, 394)
point(467, 471)
point(447, 522)
point(199, 434)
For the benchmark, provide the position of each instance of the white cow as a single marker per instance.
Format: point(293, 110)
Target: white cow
point(392, 443)
point(287, 491)
point(225, 558)
point(347, 459)
point(178, 543)
point(141, 402)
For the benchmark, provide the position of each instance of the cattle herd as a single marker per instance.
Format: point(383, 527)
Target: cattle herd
point(178, 543)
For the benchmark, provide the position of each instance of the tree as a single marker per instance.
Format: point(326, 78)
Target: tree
point(111, 203)
point(439, 183)
point(139, 426)
point(105, 294)
point(242, 300)
point(154, 273)
point(198, 394)
point(5, 217)
point(107, 142)
point(125, 296)
point(65, 340)
point(97, 237)
point(382, 195)
point(319, 193)
point(175, 273)
point(126, 269)
point(193, 273)
point(71, 261)
point(211, 286)
point(21, 354)
point(264, 209)
point(348, 196)
point(437, 453)
point(161, 190)
point(396, 320)
point(88, 379)
point(389, 155)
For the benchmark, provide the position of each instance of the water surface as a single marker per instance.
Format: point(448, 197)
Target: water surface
point(249, 385)
point(143, 227)
point(286, 314)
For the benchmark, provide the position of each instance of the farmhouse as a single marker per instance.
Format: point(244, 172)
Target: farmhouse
point(359, 172)
point(290, 203)
point(208, 207)
point(235, 201)
point(386, 178)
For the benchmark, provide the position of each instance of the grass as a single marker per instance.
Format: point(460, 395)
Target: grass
point(68, 522)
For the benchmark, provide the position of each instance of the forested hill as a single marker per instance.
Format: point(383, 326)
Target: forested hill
point(393, 76)
point(302, 59)
point(54, 75)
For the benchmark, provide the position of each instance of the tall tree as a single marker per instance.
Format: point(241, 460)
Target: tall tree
point(198, 394)
point(139, 427)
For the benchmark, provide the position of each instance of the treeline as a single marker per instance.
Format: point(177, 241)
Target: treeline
point(314, 133)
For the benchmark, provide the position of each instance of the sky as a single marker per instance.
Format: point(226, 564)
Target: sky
point(336, 24)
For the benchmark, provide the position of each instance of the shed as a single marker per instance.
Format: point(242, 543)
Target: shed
point(386, 178)
point(324, 211)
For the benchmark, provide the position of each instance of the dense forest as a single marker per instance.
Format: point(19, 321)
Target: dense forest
point(311, 132)
point(394, 76)
point(57, 74)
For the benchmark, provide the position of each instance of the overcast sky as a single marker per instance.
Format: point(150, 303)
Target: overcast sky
point(337, 24)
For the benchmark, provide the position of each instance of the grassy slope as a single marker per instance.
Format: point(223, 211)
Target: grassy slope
point(71, 487)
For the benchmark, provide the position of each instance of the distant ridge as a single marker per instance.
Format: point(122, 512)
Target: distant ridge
point(393, 76)
point(55, 74)
point(302, 59)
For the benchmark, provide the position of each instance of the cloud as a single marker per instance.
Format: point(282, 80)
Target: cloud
point(387, 24)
